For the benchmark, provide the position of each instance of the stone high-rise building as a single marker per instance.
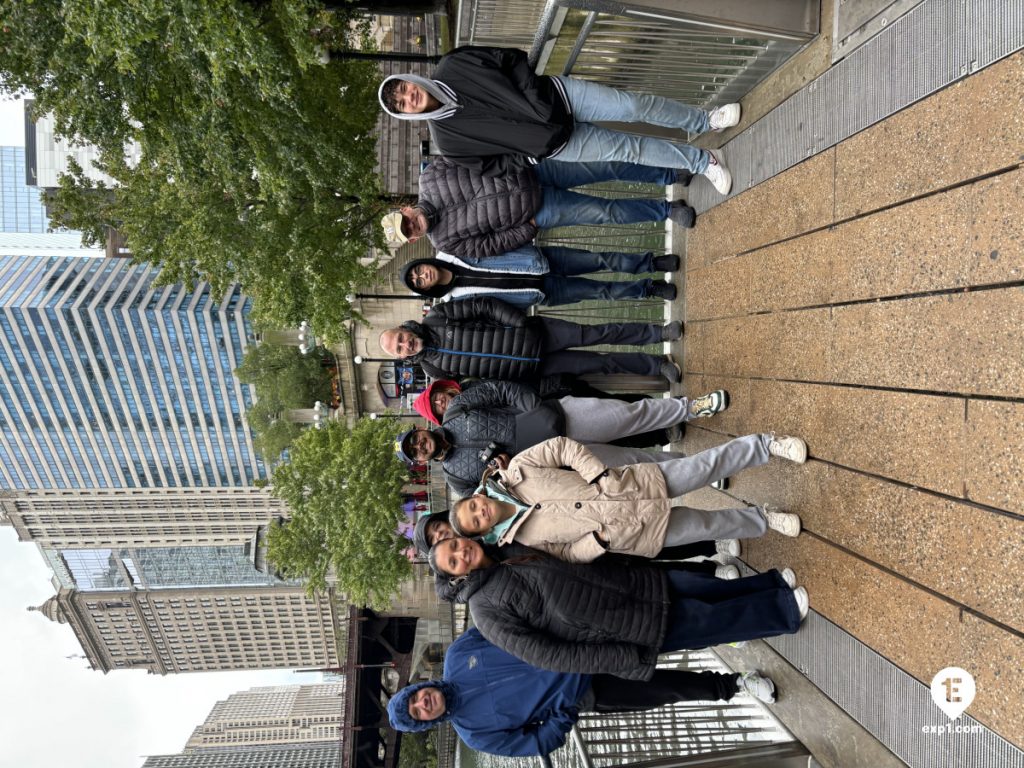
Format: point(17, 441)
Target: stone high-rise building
point(282, 714)
point(284, 756)
point(205, 629)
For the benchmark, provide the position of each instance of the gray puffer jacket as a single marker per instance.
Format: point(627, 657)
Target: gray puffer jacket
point(511, 415)
point(598, 618)
point(475, 215)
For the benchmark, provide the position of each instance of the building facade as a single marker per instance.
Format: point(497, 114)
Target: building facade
point(202, 629)
point(110, 381)
point(285, 756)
point(21, 206)
point(282, 714)
point(139, 517)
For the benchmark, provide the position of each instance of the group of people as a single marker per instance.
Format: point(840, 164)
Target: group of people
point(565, 543)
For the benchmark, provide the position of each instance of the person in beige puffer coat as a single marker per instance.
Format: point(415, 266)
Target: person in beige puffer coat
point(558, 497)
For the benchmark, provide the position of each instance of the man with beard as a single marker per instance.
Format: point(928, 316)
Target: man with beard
point(513, 418)
point(489, 339)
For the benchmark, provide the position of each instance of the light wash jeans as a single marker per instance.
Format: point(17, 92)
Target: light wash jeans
point(562, 208)
point(594, 102)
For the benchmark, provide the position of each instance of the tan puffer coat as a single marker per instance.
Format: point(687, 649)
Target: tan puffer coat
point(627, 505)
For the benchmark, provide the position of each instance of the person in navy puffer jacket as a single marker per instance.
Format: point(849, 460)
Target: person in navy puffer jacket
point(499, 704)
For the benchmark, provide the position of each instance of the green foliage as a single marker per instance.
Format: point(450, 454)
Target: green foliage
point(283, 378)
point(343, 486)
point(257, 160)
point(419, 750)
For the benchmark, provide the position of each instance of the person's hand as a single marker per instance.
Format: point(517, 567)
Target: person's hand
point(602, 536)
point(500, 461)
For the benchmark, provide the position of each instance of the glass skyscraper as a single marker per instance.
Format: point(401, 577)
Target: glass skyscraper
point(21, 207)
point(108, 381)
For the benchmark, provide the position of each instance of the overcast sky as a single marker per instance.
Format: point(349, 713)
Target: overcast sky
point(54, 710)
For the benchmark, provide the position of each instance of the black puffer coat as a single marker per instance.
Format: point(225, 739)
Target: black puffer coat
point(475, 215)
point(599, 618)
point(479, 337)
point(511, 415)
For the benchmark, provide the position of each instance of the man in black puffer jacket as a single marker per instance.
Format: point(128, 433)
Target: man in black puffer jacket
point(489, 339)
point(466, 214)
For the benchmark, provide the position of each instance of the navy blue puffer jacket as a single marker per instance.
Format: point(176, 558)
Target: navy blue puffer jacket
point(480, 337)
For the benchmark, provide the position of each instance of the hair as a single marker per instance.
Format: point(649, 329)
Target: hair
point(389, 94)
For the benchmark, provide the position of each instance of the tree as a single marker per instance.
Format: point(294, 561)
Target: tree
point(257, 159)
point(343, 486)
point(284, 379)
point(419, 750)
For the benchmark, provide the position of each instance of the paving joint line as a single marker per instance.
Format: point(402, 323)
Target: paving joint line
point(895, 481)
point(1015, 400)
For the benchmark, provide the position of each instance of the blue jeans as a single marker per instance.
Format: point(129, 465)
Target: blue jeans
point(561, 286)
point(562, 208)
point(592, 102)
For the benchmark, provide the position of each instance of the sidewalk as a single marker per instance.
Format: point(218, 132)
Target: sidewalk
point(871, 301)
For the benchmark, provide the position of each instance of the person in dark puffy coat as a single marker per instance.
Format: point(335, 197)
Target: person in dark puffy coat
point(431, 529)
point(514, 417)
point(609, 618)
point(467, 215)
point(488, 339)
point(500, 705)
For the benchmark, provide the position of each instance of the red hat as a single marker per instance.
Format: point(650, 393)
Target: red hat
point(422, 403)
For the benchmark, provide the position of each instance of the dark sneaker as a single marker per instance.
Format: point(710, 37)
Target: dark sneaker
point(671, 371)
point(659, 289)
point(709, 404)
point(682, 215)
point(667, 263)
point(672, 331)
point(683, 177)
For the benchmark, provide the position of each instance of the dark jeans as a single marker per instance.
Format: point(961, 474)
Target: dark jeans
point(561, 207)
point(683, 551)
point(707, 611)
point(570, 290)
point(561, 335)
point(563, 260)
point(667, 686)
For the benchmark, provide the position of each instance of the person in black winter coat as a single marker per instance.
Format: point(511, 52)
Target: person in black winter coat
point(488, 339)
point(605, 617)
point(468, 215)
point(488, 109)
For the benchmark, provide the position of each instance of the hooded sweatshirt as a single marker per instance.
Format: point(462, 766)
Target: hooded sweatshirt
point(497, 114)
point(469, 281)
point(501, 705)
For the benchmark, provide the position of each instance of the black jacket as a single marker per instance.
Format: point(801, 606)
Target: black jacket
point(508, 414)
point(509, 116)
point(595, 618)
point(474, 215)
point(479, 337)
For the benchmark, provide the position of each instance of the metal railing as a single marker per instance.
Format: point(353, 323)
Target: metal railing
point(692, 55)
point(733, 732)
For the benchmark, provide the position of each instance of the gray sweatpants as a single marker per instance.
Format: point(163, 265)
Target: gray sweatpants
point(617, 456)
point(704, 468)
point(594, 420)
point(687, 525)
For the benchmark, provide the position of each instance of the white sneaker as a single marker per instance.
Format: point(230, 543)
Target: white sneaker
point(792, 448)
point(717, 173)
point(727, 572)
point(803, 602)
point(725, 116)
point(786, 523)
point(789, 577)
point(761, 688)
point(729, 547)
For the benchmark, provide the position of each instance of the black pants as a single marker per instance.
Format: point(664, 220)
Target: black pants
point(684, 551)
point(560, 336)
point(668, 686)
